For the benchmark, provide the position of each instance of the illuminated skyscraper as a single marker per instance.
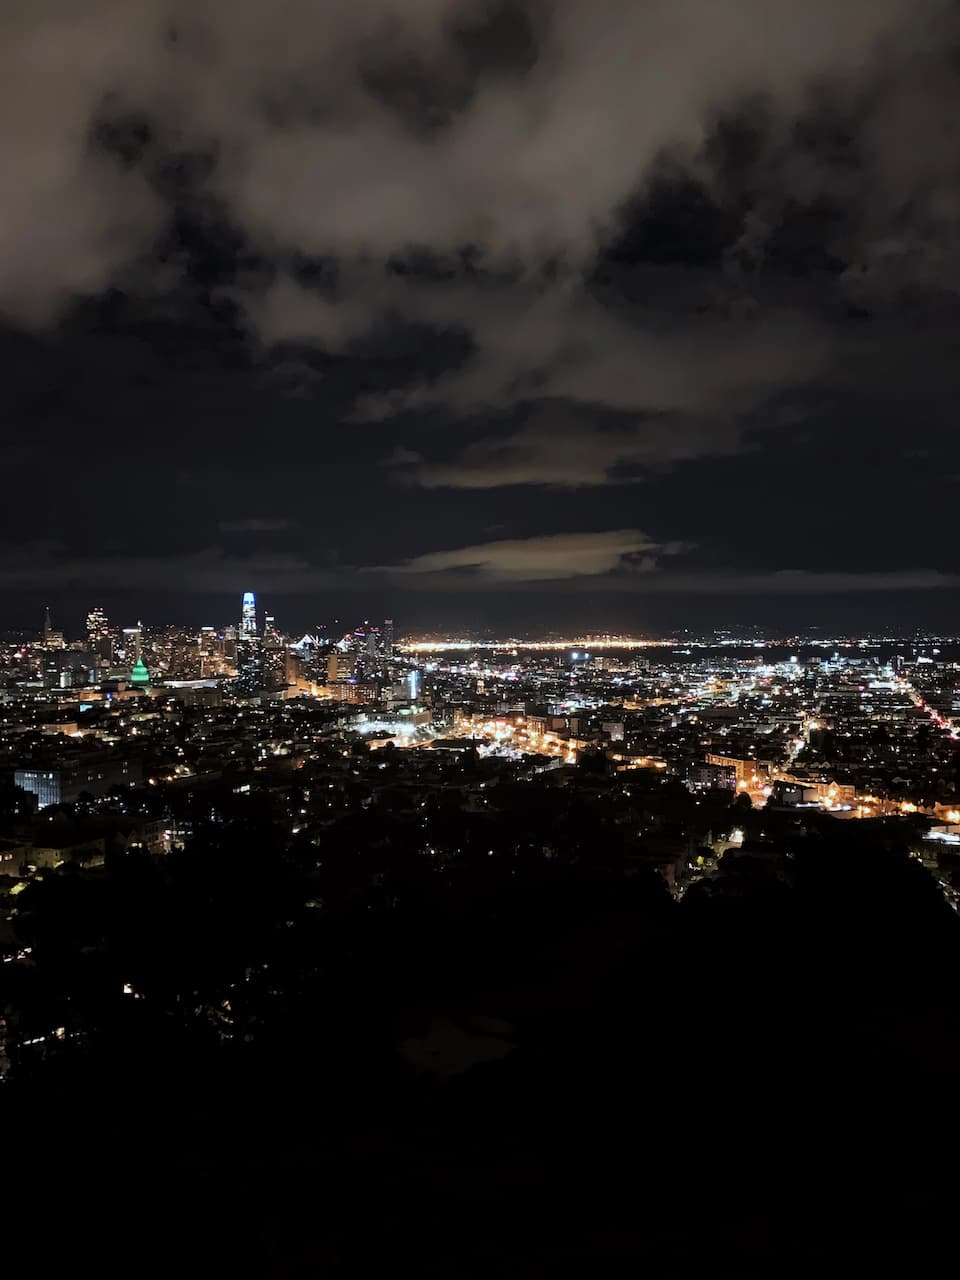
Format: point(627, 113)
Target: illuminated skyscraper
point(96, 624)
point(132, 641)
point(249, 665)
point(51, 639)
point(99, 635)
point(210, 649)
point(248, 616)
point(274, 655)
point(47, 626)
point(340, 666)
point(388, 638)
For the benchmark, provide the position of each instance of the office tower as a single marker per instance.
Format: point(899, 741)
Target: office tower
point(210, 650)
point(249, 665)
point(340, 666)
point(208, 643)
point(294, 666)
point(230, 644)
point(388, 638)
point(132, 638)
point(96, 625)
point(51, 639)
point(248, 616)
point(274, 657)
point(98, 633)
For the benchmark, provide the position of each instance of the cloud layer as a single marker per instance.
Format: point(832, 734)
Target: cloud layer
point(360, 131)
point(562, 448)
point(557, 556)
point(620, 561)
point(558, 244)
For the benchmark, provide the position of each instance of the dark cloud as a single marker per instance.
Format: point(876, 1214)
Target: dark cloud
point(46, 568)
point(803, 583)
point(256, 524)
point(556, 340)
point(560, 446)
point(277, 257)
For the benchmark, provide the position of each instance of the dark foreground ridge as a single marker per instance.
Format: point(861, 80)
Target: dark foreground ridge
point(526, 1059)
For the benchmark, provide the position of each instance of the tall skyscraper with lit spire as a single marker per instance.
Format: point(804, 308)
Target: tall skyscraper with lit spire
point(51, 639)
point(248, 616)
point(249, 666)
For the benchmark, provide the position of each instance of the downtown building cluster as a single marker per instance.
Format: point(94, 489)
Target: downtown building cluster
point(250, 658)
point(81, 715)
point(863, 733)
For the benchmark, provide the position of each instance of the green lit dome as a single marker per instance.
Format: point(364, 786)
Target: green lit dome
point(139, 674)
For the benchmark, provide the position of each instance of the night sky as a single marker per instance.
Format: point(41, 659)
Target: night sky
point(531, 315)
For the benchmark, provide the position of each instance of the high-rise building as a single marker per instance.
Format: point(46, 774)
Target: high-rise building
point(294, 666)
point(248, 615)
point(210, 649)
point(388, 638)
point(132, 641)
point(340, 666)
point(51, 639)
point(274, 659)
point(249, 665)
point(98, 633)
point(96, 624)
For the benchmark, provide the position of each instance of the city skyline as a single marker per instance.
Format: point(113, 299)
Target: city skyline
point(260, 621)
point(856, 614)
